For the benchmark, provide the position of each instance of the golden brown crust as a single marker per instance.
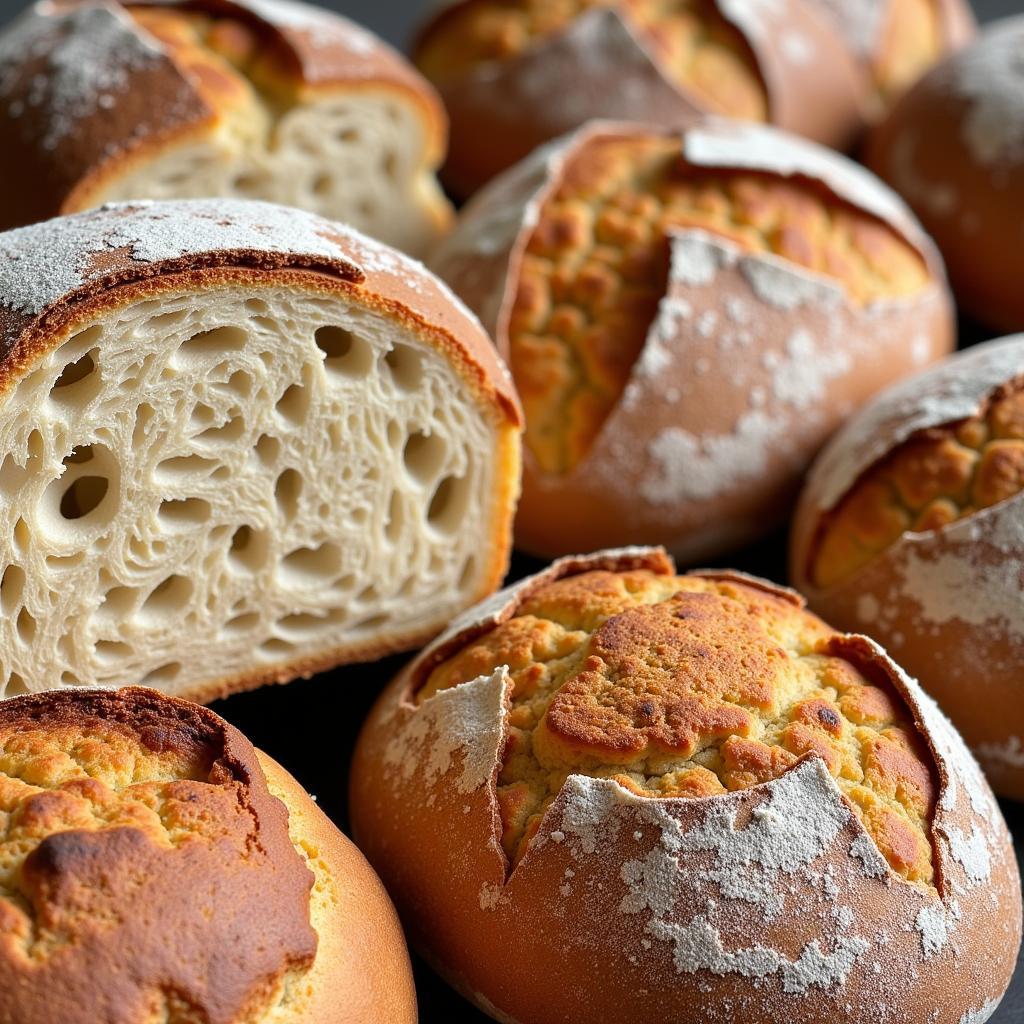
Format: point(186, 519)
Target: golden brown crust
point(769, 903)
point(687, 687)
point(116, 804)
point(537, 70)
point(935, 478)
point(595, 269)
point(176, 71)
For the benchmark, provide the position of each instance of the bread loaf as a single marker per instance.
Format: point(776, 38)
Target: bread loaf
point(259, 99)
point(238, 443)
point(910, 530)
point(517, 74)
point(954, 149)
point(688, 317)
point(617, 794)
point(156, 868)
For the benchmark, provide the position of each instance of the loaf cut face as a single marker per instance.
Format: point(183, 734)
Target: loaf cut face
point(221, 478)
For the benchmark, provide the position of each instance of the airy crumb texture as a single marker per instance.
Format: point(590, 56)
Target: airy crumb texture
point(935, 478)
point(596, 267)
point(138, 830)
point(691, 687)
point(698, 49)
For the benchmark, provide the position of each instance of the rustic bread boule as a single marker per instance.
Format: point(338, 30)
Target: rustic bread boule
point(954, 149)
point(614, 793)
point(910, 530)
point(258, 99)
point(156, 868)
point(517, 73)
point(688, 316)
point(238, 443)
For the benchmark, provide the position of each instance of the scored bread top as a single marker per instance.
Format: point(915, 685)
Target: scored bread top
point(145, 869)
point(693, 686)
point(86, 86)
point(699, 49)
point(49, 271)
point(596, 267)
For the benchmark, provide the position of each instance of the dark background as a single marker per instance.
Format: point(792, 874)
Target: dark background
point(311, 726)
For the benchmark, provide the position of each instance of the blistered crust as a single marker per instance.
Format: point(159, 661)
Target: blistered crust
point(694, 428)
point(769, 902)
point(946, 599)
point(93, 91)
point(780, 62)
point(116, 803)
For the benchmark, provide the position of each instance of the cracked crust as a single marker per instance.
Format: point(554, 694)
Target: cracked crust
point(536, 70)
point(775, 901)
point(688, 317)
point(117, 802)
point(909, 529)
point(690, 687)
point(103, 100)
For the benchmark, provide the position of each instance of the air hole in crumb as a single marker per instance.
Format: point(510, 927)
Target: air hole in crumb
point(185, 465)
point(112, 651)
point(322, 185)
point(396, 518)
point(287, 491)
point(293, 405)
point(424, 455)
point(165, 320)
point(184, 513)
point(161, 675)
point(303, 624)
point(257, 306)
point(241, 624)
point(468, 573)
point(117, 605)
point(214, 343)
point(389, 166)
point(449, 504)
point(406, 366)
point(144, 415)
point(83, 496)
point(76, 372)
point(268, 449)
point(166, 600)
point(276, 648)
point(16, 686)
point(248, 550)
point(312, 566)
point(227, 433)
point(22, 536)
point(345, 353)
point(372, 622)
point(202, 416)
point(348, 135)
point(69, 679)
point(25, 626)
point(12, 587)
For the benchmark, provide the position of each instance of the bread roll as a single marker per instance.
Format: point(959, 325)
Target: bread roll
point(516, 74)
point(238, 444)
point(156, 868)
point(910, 530)
point(897, 41)
point(688, 317)
point(259, 99)
point(954, 148)
point(618, 794)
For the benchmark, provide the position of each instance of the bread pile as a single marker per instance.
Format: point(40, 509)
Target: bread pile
point(242, 442)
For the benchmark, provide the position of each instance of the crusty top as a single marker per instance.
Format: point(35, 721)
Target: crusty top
point(145, 869)
point(85, 85)
point(48, 270)
point(693, 686)
point(596, 264)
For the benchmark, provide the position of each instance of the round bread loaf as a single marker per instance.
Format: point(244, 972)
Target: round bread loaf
point(516, 74)
point(258, 99)
point(897, 41)
point(954, 148)
point(155, 867)
point(911, 529)
point(688, 317)
point(238, 443)
point(614, 793)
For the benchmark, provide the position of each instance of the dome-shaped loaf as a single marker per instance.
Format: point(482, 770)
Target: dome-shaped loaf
point(953, 147)
point(155, 867)
point(516, 74)
point(238, 443)
point(897, 41)
point(614, 793)
point(258, 99)
point(911, 529)
point(688, 317)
